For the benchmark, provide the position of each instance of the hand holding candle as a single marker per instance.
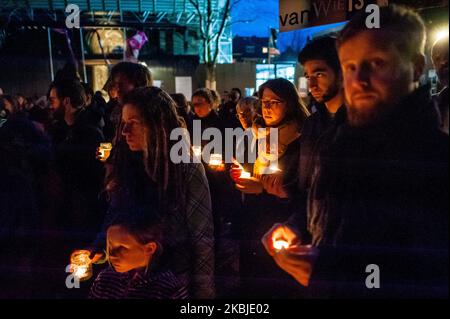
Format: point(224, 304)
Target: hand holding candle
point(250, 185)
point(280, 237)
point(236, 170)
point(245, 174)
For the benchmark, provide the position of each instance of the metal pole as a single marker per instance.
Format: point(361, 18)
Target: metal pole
point(50, 53)
point(124, 44)
point(82, 55)
point(268, 49)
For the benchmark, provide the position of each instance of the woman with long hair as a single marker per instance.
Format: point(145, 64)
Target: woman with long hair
point(270, 194)
point(142, 175)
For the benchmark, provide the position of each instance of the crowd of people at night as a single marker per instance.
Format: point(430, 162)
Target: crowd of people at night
point(361, 179)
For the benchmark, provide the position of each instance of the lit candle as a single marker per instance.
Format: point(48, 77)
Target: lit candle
point(215, 160)
point(80, 265)
point(280, 244)
point(245, 174)
point(274, 168)
point(197, 150)
point(105, 150)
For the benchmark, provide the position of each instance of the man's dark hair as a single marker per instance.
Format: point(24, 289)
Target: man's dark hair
point(234, 96)
point(405, 27)
point(136, 73)
point(180, 100)
point(204, 93)
point(12, 100)
point(238, 90)
point(74, 90)
point(323, 48)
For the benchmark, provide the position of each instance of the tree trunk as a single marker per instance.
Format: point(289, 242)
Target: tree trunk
point(211, 76)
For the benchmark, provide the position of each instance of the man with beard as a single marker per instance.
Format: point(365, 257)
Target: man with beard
point(323, 73)
point(378, 204)
point(57, 129)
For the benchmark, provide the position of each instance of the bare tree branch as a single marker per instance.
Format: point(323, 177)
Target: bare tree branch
point(203, 35)
point(229, 24)
point(235, 3)
point(225, 16)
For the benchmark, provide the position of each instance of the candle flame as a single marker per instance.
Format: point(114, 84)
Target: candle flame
point(280, 244)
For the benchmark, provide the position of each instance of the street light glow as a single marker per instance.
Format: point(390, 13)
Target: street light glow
point(441, 34)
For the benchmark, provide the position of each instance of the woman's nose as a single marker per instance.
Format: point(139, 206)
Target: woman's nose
point(125, 129)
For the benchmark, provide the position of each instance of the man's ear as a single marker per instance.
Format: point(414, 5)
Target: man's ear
point(419, 66)
point(150, 248)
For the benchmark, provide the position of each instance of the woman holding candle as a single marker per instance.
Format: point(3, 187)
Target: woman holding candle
point(270, 193)
point(223, 196)
point(143, 175)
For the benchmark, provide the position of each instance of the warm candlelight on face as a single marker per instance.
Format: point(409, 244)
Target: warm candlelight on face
point(280, 244)
point(197, 150)
point(81, 265)
point(215, 160)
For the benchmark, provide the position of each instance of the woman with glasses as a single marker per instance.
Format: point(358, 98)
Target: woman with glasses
point(270, 195)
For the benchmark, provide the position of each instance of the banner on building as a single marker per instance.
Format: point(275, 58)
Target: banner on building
point(300, 14)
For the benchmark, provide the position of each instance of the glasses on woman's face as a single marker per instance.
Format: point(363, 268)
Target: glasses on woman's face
point(270, 104)
point(243, 115)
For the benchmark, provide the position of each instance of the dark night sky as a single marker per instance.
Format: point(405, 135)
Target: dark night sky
point(262, 13)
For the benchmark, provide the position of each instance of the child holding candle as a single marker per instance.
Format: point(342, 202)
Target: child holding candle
point(133, 250)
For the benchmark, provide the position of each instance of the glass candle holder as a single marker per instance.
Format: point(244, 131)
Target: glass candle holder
point(105, 150)
point(215, 160)
point(81, 265)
